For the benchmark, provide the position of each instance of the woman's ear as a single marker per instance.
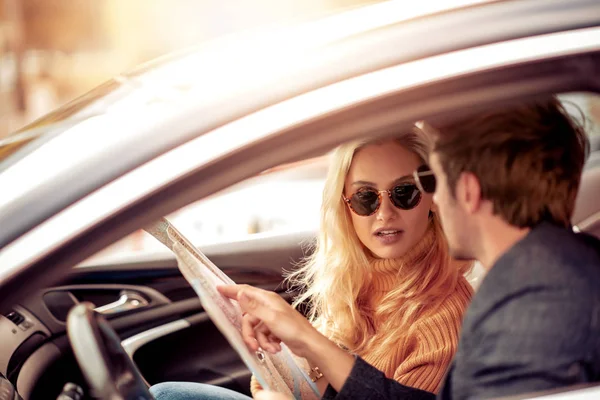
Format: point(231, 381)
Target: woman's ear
point(434, 208)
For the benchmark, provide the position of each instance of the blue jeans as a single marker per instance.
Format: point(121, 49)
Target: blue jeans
point(193, 391)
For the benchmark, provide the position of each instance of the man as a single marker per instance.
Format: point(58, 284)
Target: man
point(506, 187)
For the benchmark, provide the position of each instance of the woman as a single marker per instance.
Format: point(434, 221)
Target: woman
point(380, 282)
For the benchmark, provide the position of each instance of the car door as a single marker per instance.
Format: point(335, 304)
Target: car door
point(156, 313)
point(137, 286)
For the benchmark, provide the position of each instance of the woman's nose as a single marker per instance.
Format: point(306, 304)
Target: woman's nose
point(387, 210)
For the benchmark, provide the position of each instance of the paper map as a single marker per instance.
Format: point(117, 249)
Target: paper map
point(281, 372)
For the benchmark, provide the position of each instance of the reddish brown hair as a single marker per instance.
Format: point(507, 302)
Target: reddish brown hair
point(528, 159)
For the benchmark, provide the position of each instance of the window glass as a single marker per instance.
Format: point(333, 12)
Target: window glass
point(285, 199)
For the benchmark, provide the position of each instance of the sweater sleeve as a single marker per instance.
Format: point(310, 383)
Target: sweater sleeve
point(434, 343)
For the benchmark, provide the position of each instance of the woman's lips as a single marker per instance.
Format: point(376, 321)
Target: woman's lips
point(388, 236)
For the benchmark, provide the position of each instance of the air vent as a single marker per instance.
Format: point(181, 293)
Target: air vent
point(15, 317)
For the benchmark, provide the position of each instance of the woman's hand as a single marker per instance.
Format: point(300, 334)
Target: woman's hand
point(267, 395)
point(269, 320)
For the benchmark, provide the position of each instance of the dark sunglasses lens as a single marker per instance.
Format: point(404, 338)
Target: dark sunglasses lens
point(365, 202)
point(406, 196)
point(427, 180)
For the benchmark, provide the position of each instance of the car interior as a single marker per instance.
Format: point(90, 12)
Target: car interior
point(158, 316)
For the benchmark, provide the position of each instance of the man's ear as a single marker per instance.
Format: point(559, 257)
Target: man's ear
point(468, 192)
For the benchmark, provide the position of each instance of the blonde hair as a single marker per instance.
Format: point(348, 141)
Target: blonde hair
point(334, 280)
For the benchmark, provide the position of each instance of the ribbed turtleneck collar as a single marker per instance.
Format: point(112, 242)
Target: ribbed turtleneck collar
point(386, 271)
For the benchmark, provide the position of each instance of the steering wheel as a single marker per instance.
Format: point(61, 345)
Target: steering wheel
point(107, 368)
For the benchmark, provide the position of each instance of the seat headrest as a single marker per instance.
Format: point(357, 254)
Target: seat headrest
point(594, 143)
point(587, 206)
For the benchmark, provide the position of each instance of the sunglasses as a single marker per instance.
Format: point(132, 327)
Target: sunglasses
point(425, 179)
point(405, 196)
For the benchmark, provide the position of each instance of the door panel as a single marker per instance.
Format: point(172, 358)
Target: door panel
point(169, 335)
point(198, 353)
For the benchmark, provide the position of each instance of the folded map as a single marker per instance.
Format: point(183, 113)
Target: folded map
point(282, 372)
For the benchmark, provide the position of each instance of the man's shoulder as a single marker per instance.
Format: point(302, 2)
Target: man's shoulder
point(550, 252)
point(556, 238)
point(551, 262)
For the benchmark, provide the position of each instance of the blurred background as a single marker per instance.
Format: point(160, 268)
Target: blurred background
point(52, 51)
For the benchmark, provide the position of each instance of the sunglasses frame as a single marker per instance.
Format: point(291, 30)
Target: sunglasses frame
point(348, 201)
point(417, 177)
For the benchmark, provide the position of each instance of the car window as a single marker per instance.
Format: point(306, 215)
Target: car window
point(284, 199)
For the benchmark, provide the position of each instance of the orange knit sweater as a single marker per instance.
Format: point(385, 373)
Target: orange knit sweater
point(420, 359)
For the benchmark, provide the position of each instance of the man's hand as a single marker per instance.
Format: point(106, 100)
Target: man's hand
point(268, 320)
